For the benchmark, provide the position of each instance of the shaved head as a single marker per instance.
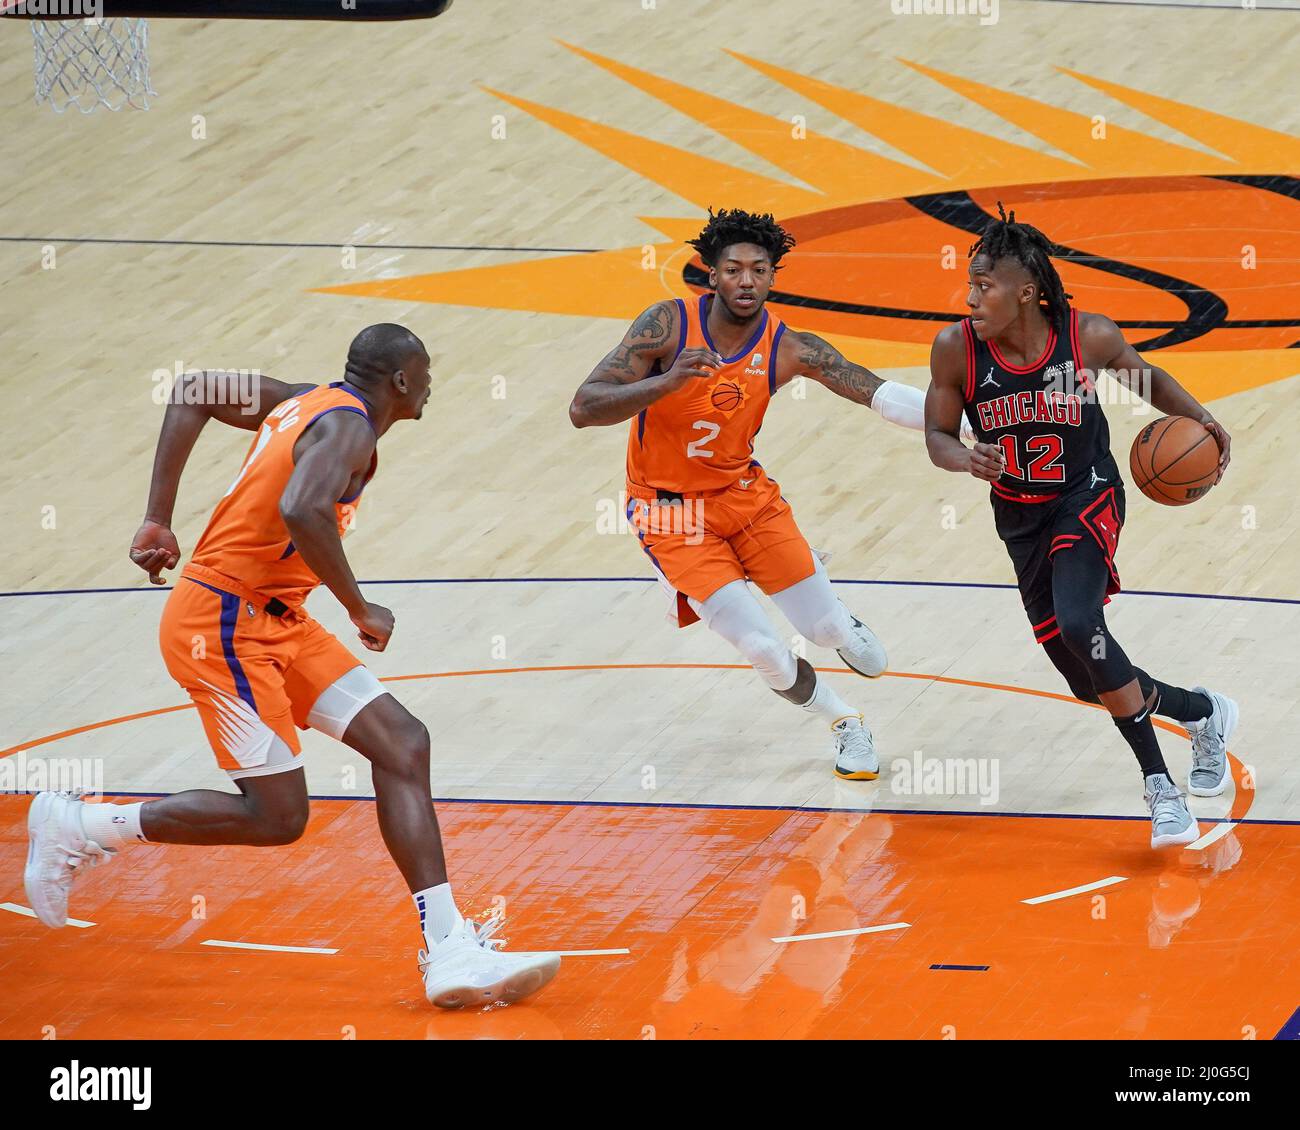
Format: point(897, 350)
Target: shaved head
point(378, 351)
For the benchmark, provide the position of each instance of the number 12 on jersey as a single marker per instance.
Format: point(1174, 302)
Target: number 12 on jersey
point(1044, 458)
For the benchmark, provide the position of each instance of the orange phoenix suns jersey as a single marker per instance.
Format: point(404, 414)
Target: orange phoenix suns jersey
point(701, 437)
point(246, 541)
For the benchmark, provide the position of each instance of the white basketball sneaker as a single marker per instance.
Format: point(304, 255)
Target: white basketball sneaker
point(57, 852)
point(1209, 775)
point(855, 753)
point(866, 654)
point(1172, 821)
point(468, 968)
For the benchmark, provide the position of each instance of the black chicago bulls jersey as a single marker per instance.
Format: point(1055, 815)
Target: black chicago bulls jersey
point(1046, 416)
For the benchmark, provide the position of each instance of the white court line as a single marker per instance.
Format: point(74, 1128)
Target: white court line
point(845, 933)
point(1215, 833)
point(584, 953)
point(260, 946)
point(16, 909)
point(1076, 890)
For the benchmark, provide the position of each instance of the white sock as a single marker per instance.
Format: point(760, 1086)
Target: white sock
point(112, 826)
point(438, 914)
point(828, 704)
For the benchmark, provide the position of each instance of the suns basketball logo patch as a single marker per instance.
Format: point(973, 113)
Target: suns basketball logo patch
point(726, 396)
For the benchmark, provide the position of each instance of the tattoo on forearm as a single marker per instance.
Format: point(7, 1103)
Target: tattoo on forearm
point(821, 359)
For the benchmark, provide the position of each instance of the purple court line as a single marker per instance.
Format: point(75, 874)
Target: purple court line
point(651, 580)
point(973, 968)
point(792, 808)
point(1291, 1029)
point(1264, 7)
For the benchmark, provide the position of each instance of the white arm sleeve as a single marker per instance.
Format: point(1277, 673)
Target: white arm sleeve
point(904, 405)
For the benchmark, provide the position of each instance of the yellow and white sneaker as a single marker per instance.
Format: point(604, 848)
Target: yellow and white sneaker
point(468, 968)
point(855, 753)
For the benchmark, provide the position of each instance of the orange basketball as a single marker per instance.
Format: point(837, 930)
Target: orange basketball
point(1174, 460)
point(726, 396)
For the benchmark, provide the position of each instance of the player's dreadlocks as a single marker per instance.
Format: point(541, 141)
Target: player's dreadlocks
point(734, 226)
point(1006, 239)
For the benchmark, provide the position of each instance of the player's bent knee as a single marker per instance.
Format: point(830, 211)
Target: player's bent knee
point(277, 807)
point(833, 632)
point(279, 821)
point(1085, 694)
point(282, 828)
point(403, 749)
point(1082, 632)
point(413, 748)
point(770, 657)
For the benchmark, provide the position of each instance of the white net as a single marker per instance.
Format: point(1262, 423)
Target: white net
point(91, 63)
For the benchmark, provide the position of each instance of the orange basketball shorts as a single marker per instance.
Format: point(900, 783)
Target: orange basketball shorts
point(702, 542)
point(253, 677)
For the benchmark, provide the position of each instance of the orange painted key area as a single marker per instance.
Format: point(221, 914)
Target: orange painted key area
point(1190, 944)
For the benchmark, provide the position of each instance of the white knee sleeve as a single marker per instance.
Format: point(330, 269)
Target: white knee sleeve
point(815, 611)
point(738, 618)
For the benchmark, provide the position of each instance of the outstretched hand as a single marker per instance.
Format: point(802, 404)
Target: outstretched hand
point(154, 549)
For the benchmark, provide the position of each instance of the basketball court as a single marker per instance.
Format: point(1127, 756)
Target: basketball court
point(515, 183)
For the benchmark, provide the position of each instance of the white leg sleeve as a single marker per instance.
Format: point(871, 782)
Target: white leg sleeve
point(815, 611)
point(904, 405)
point(738, 618)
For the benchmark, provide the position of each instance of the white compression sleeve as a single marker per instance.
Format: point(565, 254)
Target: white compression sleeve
point(739, 619)
point(815, 611)
point(904, 405)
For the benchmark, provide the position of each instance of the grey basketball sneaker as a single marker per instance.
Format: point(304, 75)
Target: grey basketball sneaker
point(1172, 821)
point(1209, 775)
point(866, 654)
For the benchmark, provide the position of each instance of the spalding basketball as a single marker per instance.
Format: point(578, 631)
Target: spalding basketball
point(726, 396)
point(1174, 461)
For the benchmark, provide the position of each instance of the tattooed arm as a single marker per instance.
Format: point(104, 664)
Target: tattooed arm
point(809, 355)
point(899, 403)
point(621, 385)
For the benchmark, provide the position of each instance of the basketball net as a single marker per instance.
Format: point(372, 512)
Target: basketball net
point(92, 63)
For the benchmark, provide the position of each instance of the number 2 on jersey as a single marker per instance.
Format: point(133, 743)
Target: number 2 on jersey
point(696, 449)
point(1044, 452)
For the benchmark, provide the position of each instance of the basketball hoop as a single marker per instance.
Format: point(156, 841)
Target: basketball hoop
point(103, 60)
point(92, 63)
